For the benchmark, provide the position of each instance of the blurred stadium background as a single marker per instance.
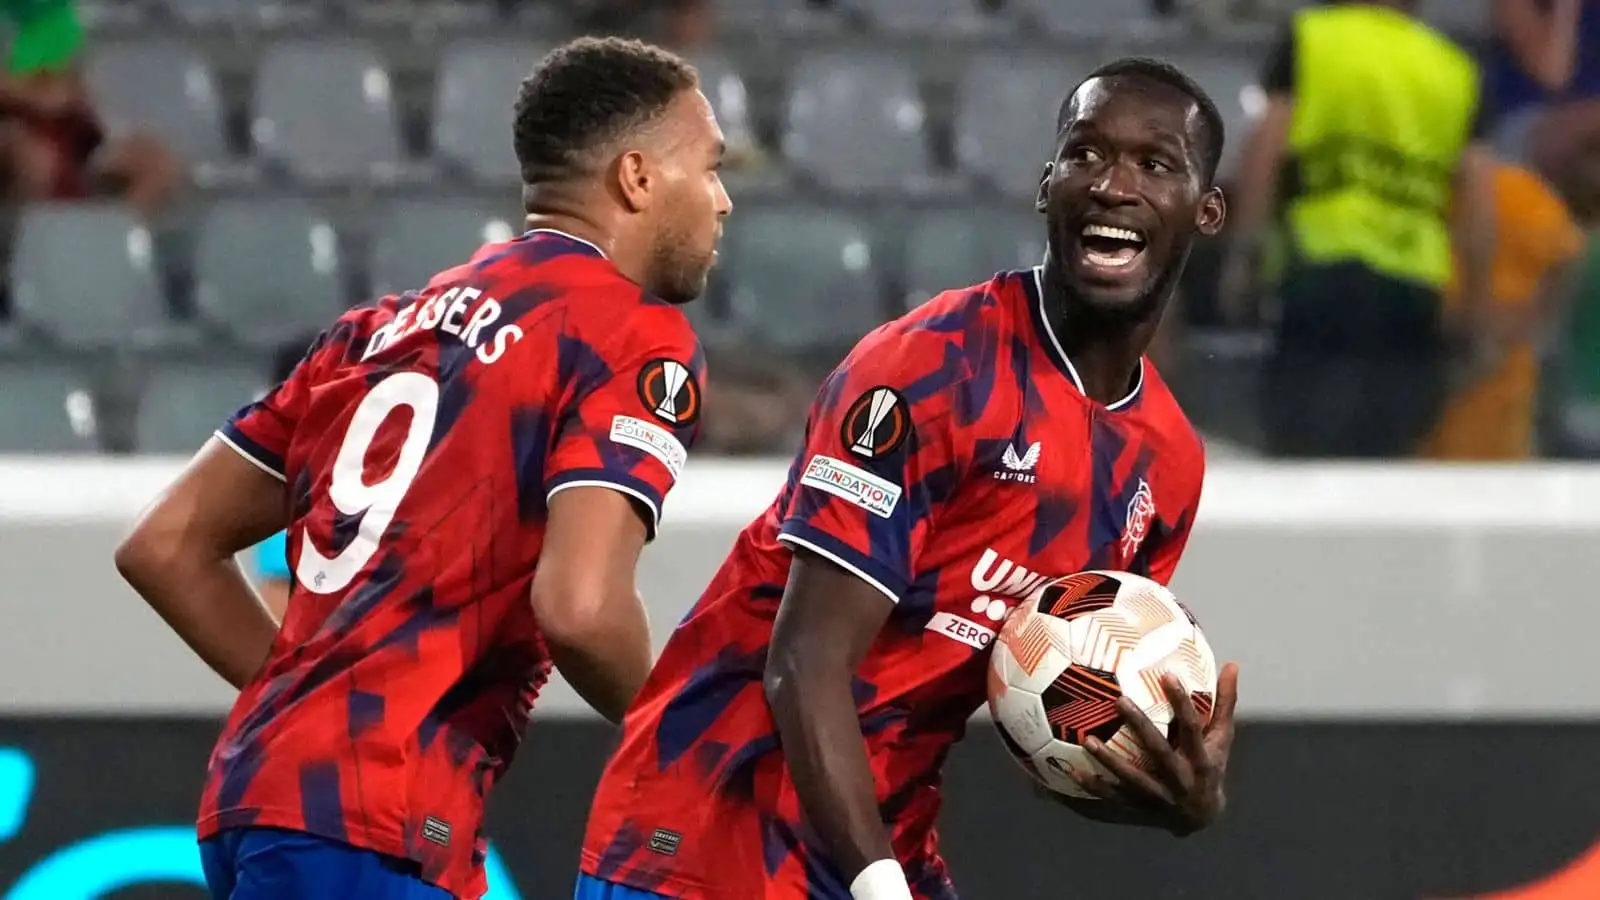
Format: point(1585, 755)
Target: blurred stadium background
point(1417, 638)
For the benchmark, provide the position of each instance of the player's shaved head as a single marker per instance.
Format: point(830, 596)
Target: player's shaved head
point(585, 97)
point(1209, 135)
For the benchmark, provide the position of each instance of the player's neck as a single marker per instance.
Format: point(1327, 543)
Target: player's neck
point(1104, 349)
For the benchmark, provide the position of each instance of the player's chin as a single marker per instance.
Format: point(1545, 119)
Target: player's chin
point(1130, 296)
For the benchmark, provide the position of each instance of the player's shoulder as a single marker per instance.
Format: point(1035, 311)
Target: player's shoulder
point(943, 336)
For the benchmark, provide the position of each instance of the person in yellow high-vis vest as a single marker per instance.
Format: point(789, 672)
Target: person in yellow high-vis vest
point(1370, 151)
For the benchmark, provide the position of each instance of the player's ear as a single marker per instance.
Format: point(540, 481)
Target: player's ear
point(1042, 200)
point(635, 181)
point(1211, 213)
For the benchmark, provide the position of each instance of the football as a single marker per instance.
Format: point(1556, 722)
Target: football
point(1065, 656)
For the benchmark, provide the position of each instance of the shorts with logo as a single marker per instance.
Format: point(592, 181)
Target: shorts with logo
point(272, 864)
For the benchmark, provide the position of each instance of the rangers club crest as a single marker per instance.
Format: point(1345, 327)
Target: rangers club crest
point(1141, 512)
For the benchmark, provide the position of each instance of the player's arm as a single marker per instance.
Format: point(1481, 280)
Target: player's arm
point(181, 558)
point(620, 446)
point(181, 555)
point(827, 620)
point(583, 595)
point(876, 473)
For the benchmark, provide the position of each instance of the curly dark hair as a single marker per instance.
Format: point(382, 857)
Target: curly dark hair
point(585, 95)
point(1212, 135)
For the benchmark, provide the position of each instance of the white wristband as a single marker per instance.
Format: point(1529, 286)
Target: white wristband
point(882, 880)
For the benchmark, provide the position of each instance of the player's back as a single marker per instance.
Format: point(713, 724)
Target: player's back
point(420, 439)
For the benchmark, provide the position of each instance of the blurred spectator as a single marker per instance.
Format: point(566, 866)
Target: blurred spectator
point(1492, 417)
point(1543, 80)
point(52, 146)
point(1369, 122)
point(274, 581)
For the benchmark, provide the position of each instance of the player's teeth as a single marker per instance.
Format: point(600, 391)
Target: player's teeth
point(1113, 260)
point(1107, 231)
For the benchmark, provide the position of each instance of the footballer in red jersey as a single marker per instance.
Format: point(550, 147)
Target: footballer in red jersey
point(469, 472)
point(789, 743)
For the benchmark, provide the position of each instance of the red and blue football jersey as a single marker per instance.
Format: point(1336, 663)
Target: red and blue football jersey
point(419, 441)
point(952, 462)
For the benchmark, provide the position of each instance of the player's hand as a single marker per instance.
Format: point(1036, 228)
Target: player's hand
point(1182, 792)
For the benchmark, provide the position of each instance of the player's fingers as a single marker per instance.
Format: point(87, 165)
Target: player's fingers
point(1186, 732)
point(1227, 701)
point(1095, 784)
point(1130, 779)
point(1150, 738)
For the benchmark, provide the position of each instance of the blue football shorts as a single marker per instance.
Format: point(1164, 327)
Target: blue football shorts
point(272, 864)
point(591, 888)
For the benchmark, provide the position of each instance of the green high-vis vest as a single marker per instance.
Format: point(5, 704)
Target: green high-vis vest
point(1383, 108)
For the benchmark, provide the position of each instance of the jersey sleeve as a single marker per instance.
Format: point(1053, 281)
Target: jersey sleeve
point(633, 410)
point(260, 431)
point(885, 447)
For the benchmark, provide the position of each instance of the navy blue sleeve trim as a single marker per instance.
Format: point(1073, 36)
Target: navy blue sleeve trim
point(636, 488)
point(798, 533)
point(271, 463)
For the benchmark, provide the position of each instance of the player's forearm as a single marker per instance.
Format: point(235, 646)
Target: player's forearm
point(605, 657)
point(210, 604)
point(821, 737)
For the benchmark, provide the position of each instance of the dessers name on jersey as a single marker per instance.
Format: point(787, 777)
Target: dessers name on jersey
point(449, 312)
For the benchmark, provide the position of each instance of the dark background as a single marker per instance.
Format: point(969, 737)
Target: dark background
point(1317, 812)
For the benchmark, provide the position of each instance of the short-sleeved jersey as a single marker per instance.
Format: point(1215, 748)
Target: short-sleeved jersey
point(953, 462)
point(419, 441)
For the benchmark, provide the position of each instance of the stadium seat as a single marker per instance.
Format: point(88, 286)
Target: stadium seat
point(1234, 83)
point(952, 248)
point(769, 16)
point(164, 88)
point(267, 271)
point(724, 86)
point(183, 402)
point(924, 17)
point(473, 99)
point(856, 121)
point(414, 239)
point(1006, 109)
point(324, 110)
point(1098, 19)
point(241, 13)
point(86, 275)
point(802, 279)
point(46, 407)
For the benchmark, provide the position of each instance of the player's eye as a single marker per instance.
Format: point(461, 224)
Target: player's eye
point(1082, 154)
point(1156, 165)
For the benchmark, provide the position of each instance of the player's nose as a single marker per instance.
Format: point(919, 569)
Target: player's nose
point(1114, 185)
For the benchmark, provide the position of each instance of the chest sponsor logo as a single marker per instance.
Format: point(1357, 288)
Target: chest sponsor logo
point(652, 439)
point(856, 485)
point(999, 584)
point(1141, 513)
point(1019, 467)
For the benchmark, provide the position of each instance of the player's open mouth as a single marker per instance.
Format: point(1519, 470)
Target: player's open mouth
point(1110, 248)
